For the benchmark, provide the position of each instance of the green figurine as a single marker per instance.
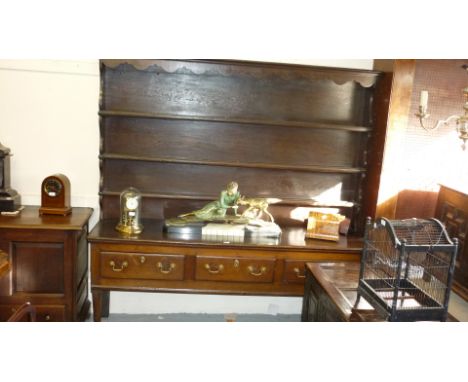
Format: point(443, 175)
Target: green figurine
point(217, 209)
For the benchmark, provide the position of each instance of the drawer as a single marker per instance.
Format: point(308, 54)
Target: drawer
point(142, 266)
point(234, 269)
point(44, 313)
point(294, 271)
point(50, 313)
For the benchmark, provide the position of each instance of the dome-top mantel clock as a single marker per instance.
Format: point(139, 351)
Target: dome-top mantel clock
point(55, 195)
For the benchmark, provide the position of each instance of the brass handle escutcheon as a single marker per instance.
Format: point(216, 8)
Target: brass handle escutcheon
point(122, 267)
point(255, 271)
point(214, 271)
point(297, 271)
point(165, 268)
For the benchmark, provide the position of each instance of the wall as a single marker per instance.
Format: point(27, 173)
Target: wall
point(416, 161)
point(433, 157)
point(49, 120)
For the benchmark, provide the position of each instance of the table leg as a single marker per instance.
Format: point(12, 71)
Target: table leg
point(97, 305)
point(105, 303)
point(306, 299)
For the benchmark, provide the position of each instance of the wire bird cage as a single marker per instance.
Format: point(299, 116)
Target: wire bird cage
point(407, 269)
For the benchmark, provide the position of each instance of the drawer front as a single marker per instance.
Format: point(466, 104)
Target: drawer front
point(49, 313)
point(294, 271)
point(142, 266)
point(44, 313)
point(234, 269)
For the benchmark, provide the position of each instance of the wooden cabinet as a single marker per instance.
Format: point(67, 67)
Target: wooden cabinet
point(452, 211)
point(48, 260)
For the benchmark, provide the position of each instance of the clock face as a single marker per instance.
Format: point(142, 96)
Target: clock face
point(52, 187)
point(131, 203)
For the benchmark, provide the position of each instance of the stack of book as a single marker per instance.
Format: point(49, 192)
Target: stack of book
point(233, 233)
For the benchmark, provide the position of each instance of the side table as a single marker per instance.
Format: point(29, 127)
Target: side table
point(48, 264)
point(330, 294)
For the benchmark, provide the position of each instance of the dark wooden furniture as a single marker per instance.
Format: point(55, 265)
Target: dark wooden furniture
point(180, 130)
point(26, 312)
point(4, 263)
point(330, 294)
point(48, 258)
point(452, 210)
point(160, 262)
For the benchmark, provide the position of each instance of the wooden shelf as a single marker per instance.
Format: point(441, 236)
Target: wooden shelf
point(179, 130)
point(310, 125)
point(283, 202)
point(268, 166)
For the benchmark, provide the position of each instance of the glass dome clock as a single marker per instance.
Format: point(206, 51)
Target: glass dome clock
point(130, 212)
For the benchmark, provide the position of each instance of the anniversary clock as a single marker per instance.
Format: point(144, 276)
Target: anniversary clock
point(130, 211)
point(55, 195)
point(10, 200)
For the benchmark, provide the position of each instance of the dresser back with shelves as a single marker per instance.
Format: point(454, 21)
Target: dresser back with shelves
point(180, 130)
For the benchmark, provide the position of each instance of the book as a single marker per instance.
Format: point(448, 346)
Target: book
point(223, 232)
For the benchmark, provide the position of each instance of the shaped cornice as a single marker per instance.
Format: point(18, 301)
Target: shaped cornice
point(340, 76)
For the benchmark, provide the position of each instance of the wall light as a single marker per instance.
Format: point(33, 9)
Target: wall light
point(461, 120)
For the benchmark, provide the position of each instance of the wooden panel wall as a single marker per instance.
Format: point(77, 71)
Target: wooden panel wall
point(181, 130)
point(417, 161)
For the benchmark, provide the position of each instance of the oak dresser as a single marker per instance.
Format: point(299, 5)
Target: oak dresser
point(180, 130)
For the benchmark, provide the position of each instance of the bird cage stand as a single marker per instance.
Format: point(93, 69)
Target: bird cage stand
point(407, 269)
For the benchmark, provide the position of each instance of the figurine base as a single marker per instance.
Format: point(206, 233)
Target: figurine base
point(189, 221)
point(261, 228)
point(10, 201)
point(192, 229)
point(239, 227)
point(55, 211)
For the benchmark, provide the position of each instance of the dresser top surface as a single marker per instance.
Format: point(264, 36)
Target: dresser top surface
point(292, 238)
point(343, 275)
point(29, 218)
